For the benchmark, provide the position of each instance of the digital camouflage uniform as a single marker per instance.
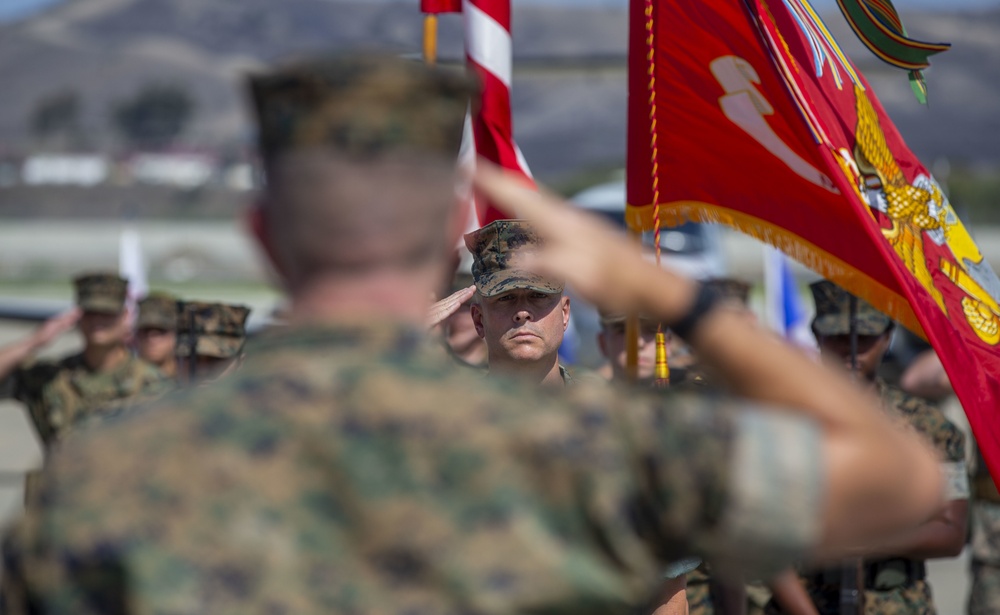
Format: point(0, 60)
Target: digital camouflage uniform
point(62, 393)
point(356, 470)
point(215, 330)
point(984, 591)
point(353, 469)
point(893, 586)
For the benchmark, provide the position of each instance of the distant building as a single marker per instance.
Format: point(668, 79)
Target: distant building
point(65, 170)
point(178, 169)
point(239, 177)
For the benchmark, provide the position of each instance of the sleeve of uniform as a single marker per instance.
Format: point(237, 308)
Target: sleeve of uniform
point(951, 443)
point(746, 482)
point(948, 440)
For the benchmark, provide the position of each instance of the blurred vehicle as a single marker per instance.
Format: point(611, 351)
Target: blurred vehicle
point(692, 248)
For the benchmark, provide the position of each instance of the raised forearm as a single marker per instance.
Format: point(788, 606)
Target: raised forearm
point(14, 354)
point(672, 597)
point(943, 536)
point(878, 477)
point(791, 596)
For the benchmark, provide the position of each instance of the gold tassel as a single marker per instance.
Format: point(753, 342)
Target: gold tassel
point(662, 366)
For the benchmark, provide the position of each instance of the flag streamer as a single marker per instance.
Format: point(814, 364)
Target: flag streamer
point(879, 27)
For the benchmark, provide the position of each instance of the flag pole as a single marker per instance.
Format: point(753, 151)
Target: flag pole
point(632, 329)
point(850, 576)
point(430, 39)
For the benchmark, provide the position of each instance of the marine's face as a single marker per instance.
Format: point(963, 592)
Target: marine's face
point(521, 325)
point(103, 329)
point(612, 342)
point(871, 350)
point(156, 345)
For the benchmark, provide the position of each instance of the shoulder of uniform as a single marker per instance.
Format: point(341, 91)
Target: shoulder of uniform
point(146, 368)
point(46, 369)
point(929, 420)
point(576, 375)
point(905, 402)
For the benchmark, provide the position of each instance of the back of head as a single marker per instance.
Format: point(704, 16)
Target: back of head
point(359, 154)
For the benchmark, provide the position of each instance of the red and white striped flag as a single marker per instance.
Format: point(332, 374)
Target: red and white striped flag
point(489, 52)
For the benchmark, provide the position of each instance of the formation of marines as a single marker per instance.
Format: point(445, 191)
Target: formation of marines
point(344, 463)
point(175, 342)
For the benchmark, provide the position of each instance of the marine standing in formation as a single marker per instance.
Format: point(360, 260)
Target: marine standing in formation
point(211, 339)
point(104, 375)
point(895, 577)
point(349, 467)
point(156, 332)
point(521, 314)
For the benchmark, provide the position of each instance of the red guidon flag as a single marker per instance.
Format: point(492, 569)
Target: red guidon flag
point(747, 112)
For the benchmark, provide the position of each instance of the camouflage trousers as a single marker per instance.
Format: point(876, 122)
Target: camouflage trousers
point(910, 599)
point(984, 595)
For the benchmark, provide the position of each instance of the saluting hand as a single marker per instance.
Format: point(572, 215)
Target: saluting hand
point(56, 326)
point(440, 311)
point(600, 263)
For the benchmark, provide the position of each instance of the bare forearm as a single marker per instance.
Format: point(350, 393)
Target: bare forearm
point(791, 596)
point(673, 597)
point(926, 377)
point(941, 537)
point(14, 354)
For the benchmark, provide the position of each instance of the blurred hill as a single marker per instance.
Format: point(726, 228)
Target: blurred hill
point(569, 88)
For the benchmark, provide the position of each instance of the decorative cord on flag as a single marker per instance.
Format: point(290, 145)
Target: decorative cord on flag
point(662, 367)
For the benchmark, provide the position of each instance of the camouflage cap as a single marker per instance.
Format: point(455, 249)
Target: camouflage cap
point(614, 318)
point(214, 329)
point(731, 288)
point(101, 292)
point(361, 106)
point(158, 311)
point(833, 312)
point(498, 252)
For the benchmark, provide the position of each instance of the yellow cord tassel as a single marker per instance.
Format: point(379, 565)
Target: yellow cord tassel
point(430, 39)
point(662, 367)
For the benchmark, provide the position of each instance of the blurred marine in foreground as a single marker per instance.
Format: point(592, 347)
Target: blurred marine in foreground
point(349, 467)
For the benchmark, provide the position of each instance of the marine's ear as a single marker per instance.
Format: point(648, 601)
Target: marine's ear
point(476, 311)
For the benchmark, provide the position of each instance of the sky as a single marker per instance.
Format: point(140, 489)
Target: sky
point(16, 9)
